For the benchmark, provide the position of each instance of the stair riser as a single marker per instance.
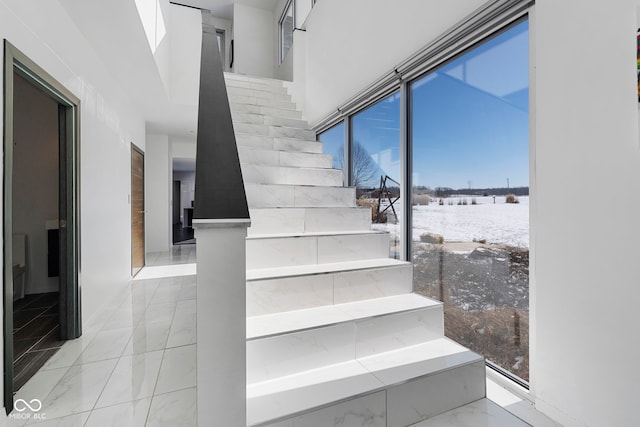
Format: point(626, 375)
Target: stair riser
point(264, 102)
point(290, 251)
point(291, 176)
point(301, 220)
point(256, 156)
point(275, 131)
point(289, 113)
point(297, 293)
point(427, 397)
point(277, 144)
point(259, 119)
point(369, 410)
point(235, 85)
point(277, 94)
point(273, 196)
point(287, 354)
point(261, 81)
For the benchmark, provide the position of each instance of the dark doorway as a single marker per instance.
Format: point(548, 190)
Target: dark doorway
point(41, 206)
point(177, 202)
point(137, 210)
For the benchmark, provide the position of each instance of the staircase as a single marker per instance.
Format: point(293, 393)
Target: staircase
point(335, 335)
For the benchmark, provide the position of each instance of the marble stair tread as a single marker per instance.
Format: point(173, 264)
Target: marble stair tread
point(283, 397)
point(268, 119)
point(302, 196)
point(315, 234)
point(292, 145)
point(250, 78)
point(291, 395)
point(270, 157)
point(276, 94)
point(291, 175)
point(401, 365)
point(291, 321)
point(313, 269)
point(481, 413)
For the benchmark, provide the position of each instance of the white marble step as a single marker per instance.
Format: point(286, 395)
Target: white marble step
point(261, 174)
point(275, 131)
point(258, 156)
point(265, 81)
point(481, 413)
point(309, 220)
point(274, 93)
point(256, 86)
point(261, 119)
point(274, 290)
point(260, 101)
point(286, 343)
point(277, 144)
point(396, 388)
point(282, 250)
point(288, 111)
point(288, 196)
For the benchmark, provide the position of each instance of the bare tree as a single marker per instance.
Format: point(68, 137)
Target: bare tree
point(366, 172)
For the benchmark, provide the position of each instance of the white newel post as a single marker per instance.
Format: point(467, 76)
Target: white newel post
point(221, 317)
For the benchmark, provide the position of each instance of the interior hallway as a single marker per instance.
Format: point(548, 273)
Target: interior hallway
point(136, 366)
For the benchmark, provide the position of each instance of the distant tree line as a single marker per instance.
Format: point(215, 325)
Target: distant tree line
point(448, 192)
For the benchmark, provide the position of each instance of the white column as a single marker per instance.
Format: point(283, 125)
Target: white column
point(221, 334)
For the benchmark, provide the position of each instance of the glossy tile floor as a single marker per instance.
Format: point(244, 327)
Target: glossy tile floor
point(136, 365)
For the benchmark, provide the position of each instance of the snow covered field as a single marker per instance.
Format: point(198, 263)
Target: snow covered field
point(499, 222)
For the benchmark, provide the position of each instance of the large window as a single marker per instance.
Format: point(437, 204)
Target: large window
point(470, 217)
point(286, 30)
point(333, 144)
point(375, 165)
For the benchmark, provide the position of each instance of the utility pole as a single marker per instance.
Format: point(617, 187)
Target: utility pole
point(507, 183)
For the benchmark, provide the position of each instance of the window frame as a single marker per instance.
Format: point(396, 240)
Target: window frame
point(281, 52)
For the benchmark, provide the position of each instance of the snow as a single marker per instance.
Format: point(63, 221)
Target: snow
point(499, 222)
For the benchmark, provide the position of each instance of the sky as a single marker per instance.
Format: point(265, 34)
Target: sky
point(469, 120)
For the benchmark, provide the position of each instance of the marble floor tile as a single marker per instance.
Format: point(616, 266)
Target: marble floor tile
point(148, 337)
point(106, 344)
point(78, 390)
point(160, 312)
point(188, 292)
point(183, 328)
point(133, 378)
point(76, 420)
point(178, 369)
point(129, 414)
point(69, 352)
point(41, 384)
point(481, 413)
point(176, 409)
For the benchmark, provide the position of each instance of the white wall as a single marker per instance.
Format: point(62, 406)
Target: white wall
point(158, 193)
point(350, 44)
point(109, 123)
point(585, 213)
point(185, 29)
point(254, 41)
point(35, 179)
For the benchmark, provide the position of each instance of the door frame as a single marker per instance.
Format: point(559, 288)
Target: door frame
point(134, 148)
point(69, 203)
